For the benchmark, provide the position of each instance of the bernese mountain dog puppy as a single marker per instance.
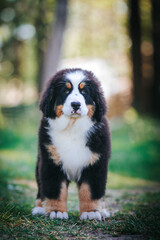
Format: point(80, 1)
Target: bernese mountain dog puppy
point(74, 145)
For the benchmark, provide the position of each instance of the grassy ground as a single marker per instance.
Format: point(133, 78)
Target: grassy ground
point(133, 191)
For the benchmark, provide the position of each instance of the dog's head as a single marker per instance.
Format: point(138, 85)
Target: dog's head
point(74, 93)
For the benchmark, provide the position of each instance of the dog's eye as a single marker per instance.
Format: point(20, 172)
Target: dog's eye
point(83, 91)
point(67, 91)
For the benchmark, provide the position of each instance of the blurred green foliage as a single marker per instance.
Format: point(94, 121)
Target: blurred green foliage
point(134, 161)
point(135, 148)
point(145, 8)
point(21, 24)
point(18, 144)
point(95, 29)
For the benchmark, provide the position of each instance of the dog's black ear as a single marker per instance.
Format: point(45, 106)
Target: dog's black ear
point(48, 100)
point(97, 95)
point(100, 103)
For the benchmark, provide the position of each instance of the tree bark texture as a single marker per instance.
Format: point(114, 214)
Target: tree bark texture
point(156, 56)
point(53, 51)
point(135, 34)
point(40, 25)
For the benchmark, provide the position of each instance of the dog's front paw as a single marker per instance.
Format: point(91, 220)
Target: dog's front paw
point(95, 215)
point(38, 211)
point(59, 215)
point(105, 213)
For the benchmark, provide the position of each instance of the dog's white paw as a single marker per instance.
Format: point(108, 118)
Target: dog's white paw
point(59, 215)
point(91, 215)
point(38, 211)
point(95, 215)
point(105, 213)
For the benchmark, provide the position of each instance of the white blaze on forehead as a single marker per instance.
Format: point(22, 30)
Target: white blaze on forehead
point(75, 77)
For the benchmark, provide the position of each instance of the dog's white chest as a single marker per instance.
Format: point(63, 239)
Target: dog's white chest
point(69, 138)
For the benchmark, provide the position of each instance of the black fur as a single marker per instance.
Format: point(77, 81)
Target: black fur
point(96, 175)
point(49, 175)
point(97, 96)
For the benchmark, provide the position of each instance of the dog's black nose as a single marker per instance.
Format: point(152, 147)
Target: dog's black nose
point(75, 105)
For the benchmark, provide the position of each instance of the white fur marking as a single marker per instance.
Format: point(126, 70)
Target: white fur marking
point(69, 138)
point(83, 216)
point(105, 213)
point(75, 96)
point(91, 215)
point(52, 215)
point(98, 216)
point(76, 76)
point(65, 215)
point(59, 215)
point(38, 211)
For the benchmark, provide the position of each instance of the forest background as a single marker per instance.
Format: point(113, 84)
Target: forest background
point(120, 42)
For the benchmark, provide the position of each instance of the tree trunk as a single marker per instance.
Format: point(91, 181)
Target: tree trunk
point(135, 34)
point(40, 36)
point(53, 50)
point(156, 56)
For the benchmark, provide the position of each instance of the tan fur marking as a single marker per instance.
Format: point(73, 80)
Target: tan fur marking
point(59, 111)
point(53, 153)
point(86, 204)
point(38, 203)
point(57, 205)
point(103, 203)
point(68, 85)
point(81, 86)
point(70, 124)
point(94, 158)
point(91, 109)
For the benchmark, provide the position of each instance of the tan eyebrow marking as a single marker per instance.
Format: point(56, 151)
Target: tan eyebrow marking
point(82, 84)
point(68, 85)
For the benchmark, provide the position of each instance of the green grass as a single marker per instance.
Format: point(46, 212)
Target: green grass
point(138, 215)
point(133, 196)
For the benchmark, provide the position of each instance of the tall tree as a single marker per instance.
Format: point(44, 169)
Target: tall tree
point(135, 34)
point(156, 56)
point(41, 32)
point(54, 45)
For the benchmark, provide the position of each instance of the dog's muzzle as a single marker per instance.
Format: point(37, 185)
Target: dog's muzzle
point(76, 107)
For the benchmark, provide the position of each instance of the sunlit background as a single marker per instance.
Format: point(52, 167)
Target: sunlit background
point(39, 37)
point(119, 40)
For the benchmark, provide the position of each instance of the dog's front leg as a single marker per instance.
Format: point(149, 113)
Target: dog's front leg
point(89, 208)
point(52, 184)
point(57, 208)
